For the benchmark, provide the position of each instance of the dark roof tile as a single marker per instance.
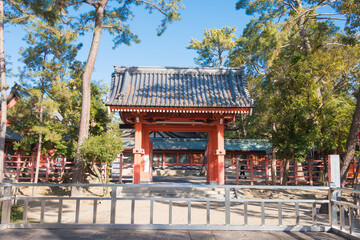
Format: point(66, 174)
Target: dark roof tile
point(179, 87)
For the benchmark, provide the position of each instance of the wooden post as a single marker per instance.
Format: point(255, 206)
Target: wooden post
point(211, 158)
point(151, 159)
point(145, 164)
point(138, 151)
point(251, 171)
point(32, 168)
point(6, 207)
point(334, 174)
point(18, 164)
point(281, 172)
point(266, 171)
point(237, 172)
point(296, 172)
point(121, 164)
point(47, 168)
point(207, 158)
point(310, 169)
point(163, 159)
point(220, 152)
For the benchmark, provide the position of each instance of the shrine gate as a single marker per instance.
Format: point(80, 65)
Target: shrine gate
point(179, 100)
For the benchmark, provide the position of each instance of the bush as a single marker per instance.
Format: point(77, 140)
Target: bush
point(17, 212)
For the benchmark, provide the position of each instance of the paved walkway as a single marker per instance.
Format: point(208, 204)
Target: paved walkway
point(103, 234)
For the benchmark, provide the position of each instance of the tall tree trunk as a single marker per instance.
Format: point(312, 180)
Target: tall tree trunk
point(3, 93)
point(273, 167)
point(286, 172)
point(356, 173)
point(351, 142)
point(301, 24)
point(41, 110)
point(325, 173)
point(86, 100)
point(38, 152)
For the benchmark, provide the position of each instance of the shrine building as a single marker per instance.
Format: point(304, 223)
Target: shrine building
point(171, 99)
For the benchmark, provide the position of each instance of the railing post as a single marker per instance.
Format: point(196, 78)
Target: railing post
point(6, 208)
point(227, 206)
point(113, 204)
point(334, 183)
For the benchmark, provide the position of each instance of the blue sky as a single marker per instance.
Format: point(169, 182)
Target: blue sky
point(166, 50)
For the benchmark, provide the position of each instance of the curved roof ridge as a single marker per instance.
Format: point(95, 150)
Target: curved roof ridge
point(119, 68)
point(229, 92)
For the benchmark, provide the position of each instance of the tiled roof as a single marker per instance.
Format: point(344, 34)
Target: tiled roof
point(11, 136)
point(179, 87)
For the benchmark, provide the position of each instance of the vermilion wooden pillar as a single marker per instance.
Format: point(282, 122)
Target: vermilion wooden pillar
point(151, 158)
point(207, 154)
point(220, 152)
point(146, 164)
point(138, 151)
point(211, 158)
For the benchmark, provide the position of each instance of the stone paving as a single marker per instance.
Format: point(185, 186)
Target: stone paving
point(103, 234)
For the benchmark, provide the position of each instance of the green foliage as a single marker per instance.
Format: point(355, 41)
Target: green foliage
point(47, 60)
point(51, 80)
point(351, 9)
point(215, 46)
point(300, 75)
point(16, 214)
point(102, 149)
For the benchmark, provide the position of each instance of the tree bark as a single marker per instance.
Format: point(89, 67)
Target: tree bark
point(3, 93)
point(286, 172)
point(351, 142)
point(355, 180)
point(38, 152)
point(86, 83)
point(273, 167)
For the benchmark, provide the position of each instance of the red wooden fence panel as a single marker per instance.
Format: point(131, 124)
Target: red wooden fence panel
point(238, 171)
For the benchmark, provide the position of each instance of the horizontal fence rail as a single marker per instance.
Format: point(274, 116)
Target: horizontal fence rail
point(344, 216)
point(227, 207)
point(182, 206)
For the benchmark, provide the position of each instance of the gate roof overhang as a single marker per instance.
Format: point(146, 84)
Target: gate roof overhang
point(170, 95)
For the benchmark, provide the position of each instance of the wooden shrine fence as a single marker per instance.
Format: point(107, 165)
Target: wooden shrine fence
point(311, 172)
point(241, 171)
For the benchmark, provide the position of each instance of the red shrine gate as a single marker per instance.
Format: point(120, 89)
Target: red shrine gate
point(179, 100)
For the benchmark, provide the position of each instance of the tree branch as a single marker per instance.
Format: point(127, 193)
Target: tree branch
point(321, 14)
point(257, 68)
point(153, 5)
point(330, 18)
point(333, 43)
point(290, 4)
point(113, 27)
